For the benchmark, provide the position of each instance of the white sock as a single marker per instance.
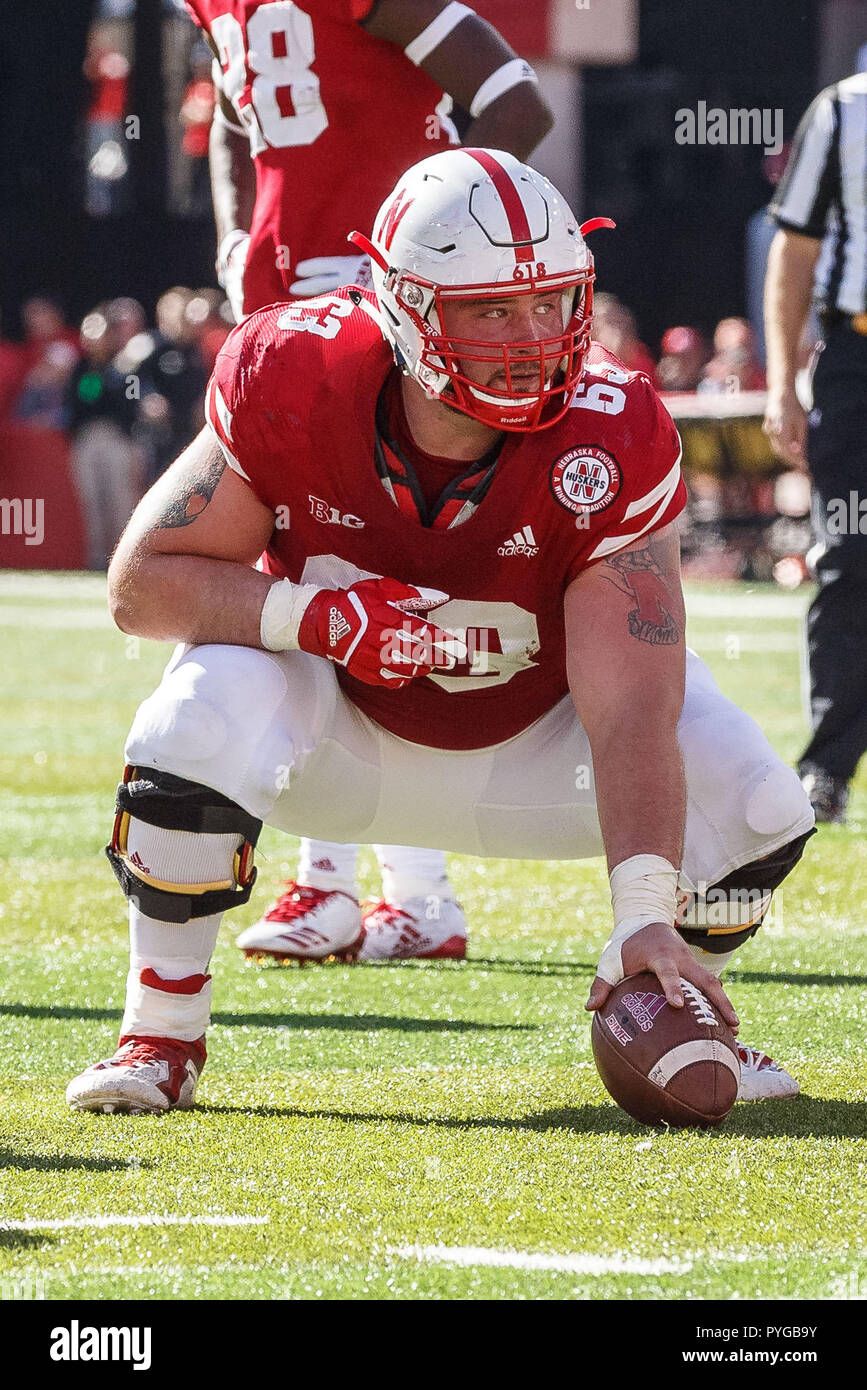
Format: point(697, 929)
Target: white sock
point(408, 872)
point(328, 866)
point(173, 954)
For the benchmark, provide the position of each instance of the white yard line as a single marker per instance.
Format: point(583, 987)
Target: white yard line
point(60, 618)
point(578, 1263)
point(52, 584)
point(69, 1223)
point(744, 605)
point(734, 642)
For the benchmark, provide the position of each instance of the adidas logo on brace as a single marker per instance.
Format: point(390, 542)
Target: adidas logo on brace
point(522, 543)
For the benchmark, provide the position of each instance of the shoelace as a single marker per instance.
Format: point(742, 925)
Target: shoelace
point(142, 1053)
point(755, 1060)
point(297, 901)
point(387, 915)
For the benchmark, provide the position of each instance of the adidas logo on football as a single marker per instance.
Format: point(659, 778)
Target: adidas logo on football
point(522, 543)
point(337, 627)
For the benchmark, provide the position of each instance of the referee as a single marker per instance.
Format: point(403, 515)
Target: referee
point(819, 254)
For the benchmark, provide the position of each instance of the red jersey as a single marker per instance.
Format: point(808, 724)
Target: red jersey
point(334, 116)
point(293, 402)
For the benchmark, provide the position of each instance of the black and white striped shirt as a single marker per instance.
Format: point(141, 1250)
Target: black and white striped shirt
point(823, 192)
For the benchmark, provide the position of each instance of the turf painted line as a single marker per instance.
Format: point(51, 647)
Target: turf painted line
point(53, 584)
point(70, 1223)
point(476, 1255)
point(745, 642)
point(58, 618)
point(740, 603)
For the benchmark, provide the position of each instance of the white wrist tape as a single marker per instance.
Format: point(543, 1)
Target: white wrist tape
point(285, 605)
point(430, 38)
point(643, 890)
point(503, 80)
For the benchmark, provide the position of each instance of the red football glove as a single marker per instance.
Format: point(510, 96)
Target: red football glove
point(372, 629)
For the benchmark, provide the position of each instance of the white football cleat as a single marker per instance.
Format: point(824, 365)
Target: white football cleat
point(146, 1076)
point(306, 924)
point(407, 931)
point(762, 1078)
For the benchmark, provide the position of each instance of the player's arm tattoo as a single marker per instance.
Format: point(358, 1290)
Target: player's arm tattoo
point(639, 574)
point(192, 495)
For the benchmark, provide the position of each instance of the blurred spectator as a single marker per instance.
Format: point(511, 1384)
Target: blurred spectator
point(126, 319)
point(169, 366)
point(210, 315)
point(684, 354)
point(44, 362)
point(42, 399)
point(44, 324)
point(615, 328)
point(196, 112)
point(102, 412)
point(734, 365)
point(107, 71)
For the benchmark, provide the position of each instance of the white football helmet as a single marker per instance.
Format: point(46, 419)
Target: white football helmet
point(472, 224)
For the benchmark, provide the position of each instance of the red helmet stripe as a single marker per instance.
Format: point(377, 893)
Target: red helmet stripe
point(511, 200)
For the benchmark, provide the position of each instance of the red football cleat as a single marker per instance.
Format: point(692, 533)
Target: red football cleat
point(421, 928)
point(306, 924)
point(146, 1076)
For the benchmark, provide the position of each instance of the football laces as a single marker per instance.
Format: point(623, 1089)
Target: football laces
point(699, 1004)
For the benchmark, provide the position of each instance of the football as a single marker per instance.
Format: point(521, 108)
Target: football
point(665, 1066)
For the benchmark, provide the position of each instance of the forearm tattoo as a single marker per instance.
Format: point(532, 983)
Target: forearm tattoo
point(192, 496)
point(638, 574)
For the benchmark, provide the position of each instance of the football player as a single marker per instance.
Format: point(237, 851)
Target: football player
point(333, 99)
point(488, 658)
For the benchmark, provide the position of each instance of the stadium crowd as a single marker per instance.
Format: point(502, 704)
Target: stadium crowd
point(128, 395)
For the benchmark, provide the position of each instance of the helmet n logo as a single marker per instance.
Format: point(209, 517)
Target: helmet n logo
point(394, 214)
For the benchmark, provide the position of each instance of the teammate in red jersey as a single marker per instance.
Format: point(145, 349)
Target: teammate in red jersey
point(333, 99)
point(494, 664)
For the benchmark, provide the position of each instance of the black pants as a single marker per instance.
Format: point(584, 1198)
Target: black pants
point(837, 620)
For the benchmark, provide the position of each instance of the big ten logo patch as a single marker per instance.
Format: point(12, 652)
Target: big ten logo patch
point(332, 516)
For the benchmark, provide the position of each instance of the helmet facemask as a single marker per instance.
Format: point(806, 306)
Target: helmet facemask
point(540, 375)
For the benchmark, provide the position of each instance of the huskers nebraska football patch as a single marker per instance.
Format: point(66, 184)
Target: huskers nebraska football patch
point(585, 480)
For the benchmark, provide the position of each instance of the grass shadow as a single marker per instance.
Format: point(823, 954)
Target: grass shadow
point(805, 1118)
point(368, 1023)
point(63, 1163)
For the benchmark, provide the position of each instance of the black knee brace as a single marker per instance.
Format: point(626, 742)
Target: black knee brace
point(748, 890)
point(173, 803)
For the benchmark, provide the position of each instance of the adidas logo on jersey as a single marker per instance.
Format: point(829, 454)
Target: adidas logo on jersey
point(337, 627)
point(522, 543)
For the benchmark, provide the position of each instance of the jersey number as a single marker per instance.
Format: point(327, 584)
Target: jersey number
point(320, 316)
point(285, 106)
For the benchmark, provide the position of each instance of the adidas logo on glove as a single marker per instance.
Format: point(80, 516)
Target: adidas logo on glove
point(337, 627)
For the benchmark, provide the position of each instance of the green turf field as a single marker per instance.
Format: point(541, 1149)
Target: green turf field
point(419, 1130)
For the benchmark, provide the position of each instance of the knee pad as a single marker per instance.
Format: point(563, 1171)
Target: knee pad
point(170, 803)
point(722, 917)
